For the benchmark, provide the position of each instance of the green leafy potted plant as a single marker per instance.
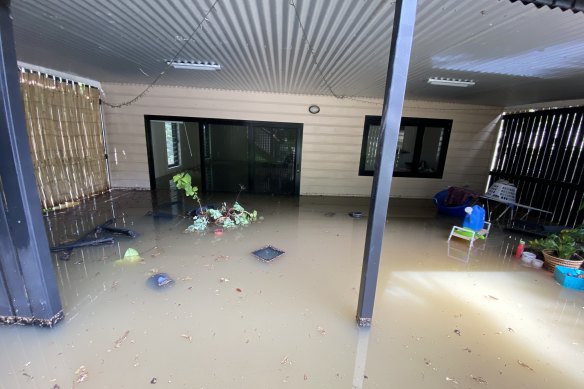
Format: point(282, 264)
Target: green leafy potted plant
point(561, 249)
point(225, 216)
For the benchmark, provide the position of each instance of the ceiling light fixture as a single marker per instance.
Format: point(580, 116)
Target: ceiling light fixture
point(194, 65)
point(450, 82)
point(314, 109)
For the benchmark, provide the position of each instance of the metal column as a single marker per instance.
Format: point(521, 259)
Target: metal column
point(28, 287)
point(397, 74)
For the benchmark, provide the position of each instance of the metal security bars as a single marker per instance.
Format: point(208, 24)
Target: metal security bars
point(542, 153)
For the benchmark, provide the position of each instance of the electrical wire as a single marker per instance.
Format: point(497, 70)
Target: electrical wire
point(312, 53)
point(159, 76)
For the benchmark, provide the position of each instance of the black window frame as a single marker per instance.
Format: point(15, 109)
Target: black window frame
point(421, 124)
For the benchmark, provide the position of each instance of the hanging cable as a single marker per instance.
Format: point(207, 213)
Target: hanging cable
point(184, 127)
point(312, 53)
point(159, 76)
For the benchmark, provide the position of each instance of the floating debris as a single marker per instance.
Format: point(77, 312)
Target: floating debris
point(81, 374)
point(153, 380)
point(159, 281)
point(457, 332)
point(321, 331)
point(187, 337)
point(223, 279)
point(522, 364)
point(238, 290)
point(121, 339)
point(114, 230)
point(131, 256)
point(356, 214)
point(453, 380)
point(480, 380)
point(491, 297)
point(467, 350)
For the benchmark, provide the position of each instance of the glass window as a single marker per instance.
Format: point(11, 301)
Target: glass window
point(171, 130)
point(421, 147)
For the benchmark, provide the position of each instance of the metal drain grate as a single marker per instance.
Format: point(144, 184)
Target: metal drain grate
point(267, 253)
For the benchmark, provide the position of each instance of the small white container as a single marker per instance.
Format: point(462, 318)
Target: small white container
point(527, 260)
point(528, 254)
point(537, 263)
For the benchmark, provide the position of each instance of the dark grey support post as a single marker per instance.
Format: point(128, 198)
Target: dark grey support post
point(397, 74)
point(28, 287)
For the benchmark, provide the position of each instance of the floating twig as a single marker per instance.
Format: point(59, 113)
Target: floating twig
point(522, 364)
point(121, 339)
point(480, 380)
point(187, 337)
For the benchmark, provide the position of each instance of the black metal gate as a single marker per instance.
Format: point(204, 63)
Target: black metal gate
point(542, 153)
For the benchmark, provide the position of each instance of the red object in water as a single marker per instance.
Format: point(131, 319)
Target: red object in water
point(219, 231)
point(519, 250)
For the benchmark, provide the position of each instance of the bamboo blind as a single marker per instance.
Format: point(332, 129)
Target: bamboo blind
point(65, 137)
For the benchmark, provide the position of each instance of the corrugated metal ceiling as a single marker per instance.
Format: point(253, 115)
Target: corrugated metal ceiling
point(516, 53)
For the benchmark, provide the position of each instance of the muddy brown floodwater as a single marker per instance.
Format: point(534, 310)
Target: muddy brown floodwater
point(445, 317)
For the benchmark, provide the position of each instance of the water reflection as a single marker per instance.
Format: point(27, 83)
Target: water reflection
point(231, 320)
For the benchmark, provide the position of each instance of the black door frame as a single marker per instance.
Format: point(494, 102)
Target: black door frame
point(210, 121)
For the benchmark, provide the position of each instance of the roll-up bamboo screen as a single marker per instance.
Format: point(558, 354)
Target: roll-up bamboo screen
point(66, 141)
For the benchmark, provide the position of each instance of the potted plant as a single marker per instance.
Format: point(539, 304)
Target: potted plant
point(226, 216)
point(562, 249)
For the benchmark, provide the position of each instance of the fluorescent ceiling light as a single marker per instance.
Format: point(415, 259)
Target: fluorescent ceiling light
point(194, 65)
point(450, 82)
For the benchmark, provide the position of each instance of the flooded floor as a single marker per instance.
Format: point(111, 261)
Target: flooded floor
point(445, 317)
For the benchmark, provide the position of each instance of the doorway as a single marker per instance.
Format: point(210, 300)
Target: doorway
point(173, 146)
point(262, 157)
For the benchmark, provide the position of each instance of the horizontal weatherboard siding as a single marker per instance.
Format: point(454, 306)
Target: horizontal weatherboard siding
point(331, 139)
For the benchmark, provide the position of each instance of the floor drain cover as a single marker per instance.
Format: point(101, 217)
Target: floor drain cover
point(267, 253)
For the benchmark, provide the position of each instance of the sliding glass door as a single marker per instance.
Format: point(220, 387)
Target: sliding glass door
point(262, 157)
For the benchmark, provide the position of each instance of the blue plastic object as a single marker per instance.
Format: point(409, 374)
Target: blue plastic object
point(457, 210)
point(160, 280)
point(569, 277)
point(476, 219)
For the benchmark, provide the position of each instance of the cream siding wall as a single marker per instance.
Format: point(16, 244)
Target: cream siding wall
point(331, 139)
